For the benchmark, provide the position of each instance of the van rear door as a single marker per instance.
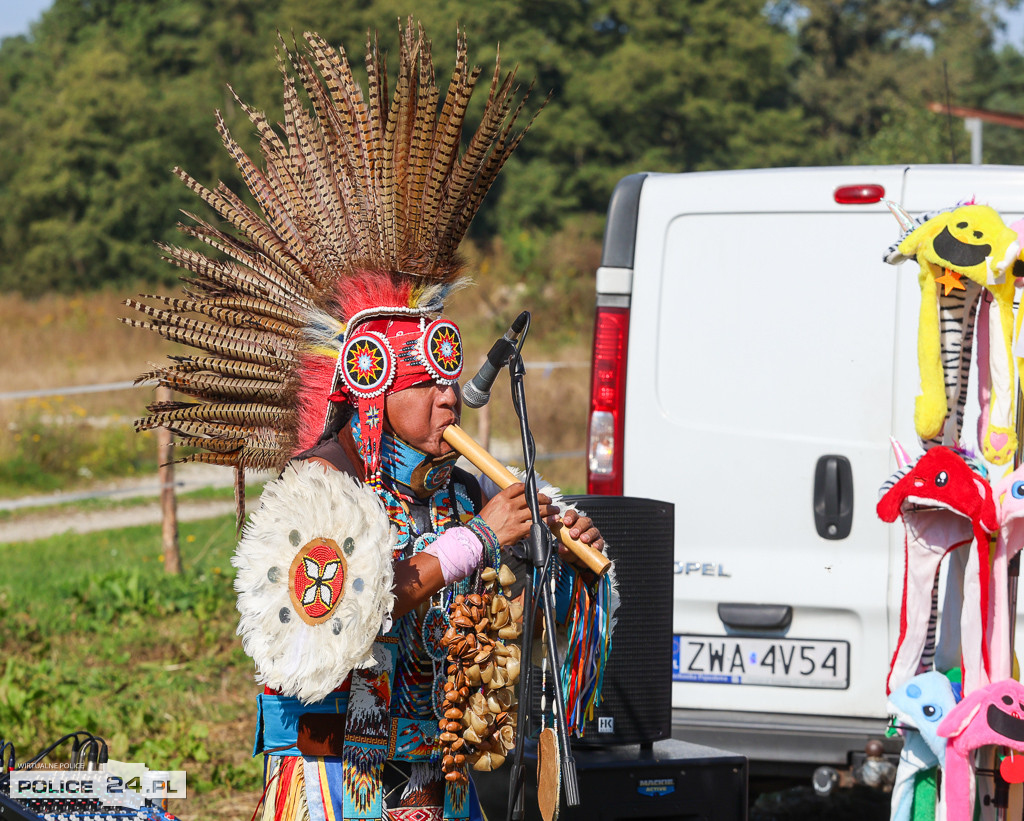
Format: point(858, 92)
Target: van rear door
point(762, 332)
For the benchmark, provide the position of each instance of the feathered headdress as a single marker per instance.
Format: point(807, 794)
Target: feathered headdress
point(331, 288)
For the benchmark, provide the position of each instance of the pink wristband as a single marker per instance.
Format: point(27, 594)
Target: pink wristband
point(458, 551)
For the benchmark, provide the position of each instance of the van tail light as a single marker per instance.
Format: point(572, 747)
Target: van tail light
point(860, 194)
point(607, 402)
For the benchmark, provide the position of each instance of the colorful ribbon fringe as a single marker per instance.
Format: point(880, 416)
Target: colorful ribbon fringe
point(590, 642)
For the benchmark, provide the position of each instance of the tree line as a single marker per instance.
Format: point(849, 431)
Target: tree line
point(104, 97)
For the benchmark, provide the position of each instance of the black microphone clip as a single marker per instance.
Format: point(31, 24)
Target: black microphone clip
point(477, 391)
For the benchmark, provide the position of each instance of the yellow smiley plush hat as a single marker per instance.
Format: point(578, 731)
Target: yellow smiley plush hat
point(966, 256)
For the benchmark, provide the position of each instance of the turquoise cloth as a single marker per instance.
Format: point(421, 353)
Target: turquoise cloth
point(277, 720)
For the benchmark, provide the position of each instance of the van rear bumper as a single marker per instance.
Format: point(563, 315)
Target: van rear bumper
point(780, 743)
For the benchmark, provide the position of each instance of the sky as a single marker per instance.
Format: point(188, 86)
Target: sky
point(16, 15)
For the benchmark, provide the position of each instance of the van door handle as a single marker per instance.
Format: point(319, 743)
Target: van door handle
point(833, 497)
point(742, 616)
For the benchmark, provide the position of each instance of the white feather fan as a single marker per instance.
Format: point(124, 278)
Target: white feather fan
point(307, 503)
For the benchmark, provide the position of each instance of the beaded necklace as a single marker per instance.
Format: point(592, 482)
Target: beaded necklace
point(419, 673)
point(419, 677)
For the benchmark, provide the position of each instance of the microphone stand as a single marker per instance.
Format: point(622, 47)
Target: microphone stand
point(541, 550)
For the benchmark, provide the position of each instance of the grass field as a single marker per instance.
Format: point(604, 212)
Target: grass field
point(98, 637)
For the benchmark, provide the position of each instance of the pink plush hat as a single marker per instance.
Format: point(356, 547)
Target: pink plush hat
point(993, 714)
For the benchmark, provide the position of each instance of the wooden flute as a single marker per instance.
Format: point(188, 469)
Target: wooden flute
point(503, 477)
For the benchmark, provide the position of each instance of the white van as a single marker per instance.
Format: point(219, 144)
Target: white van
point(750, 338)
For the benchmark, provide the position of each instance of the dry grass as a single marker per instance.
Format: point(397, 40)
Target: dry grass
point(60, 341)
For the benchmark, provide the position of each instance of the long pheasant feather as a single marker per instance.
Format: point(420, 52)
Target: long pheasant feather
point(277, 285)
point(239, 349)
point(256, 339)
point(215, 387)
point(230, 367)
point(226, 312)
point(276, 213)
point(225, 203)
point(238, 413)
point(505, 144)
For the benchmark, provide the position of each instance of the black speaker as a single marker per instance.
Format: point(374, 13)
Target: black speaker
point(671, 779)
point(637, 705)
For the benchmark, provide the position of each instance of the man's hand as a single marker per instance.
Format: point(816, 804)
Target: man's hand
point(582, 528)
point(508, 513)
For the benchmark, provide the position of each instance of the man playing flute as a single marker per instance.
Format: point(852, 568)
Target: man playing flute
point(372, 579)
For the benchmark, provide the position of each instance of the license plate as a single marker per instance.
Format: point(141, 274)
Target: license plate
point(818, 663)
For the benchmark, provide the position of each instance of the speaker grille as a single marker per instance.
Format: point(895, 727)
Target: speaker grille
point(637, 705)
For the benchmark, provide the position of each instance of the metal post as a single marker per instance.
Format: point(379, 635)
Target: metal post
point(1014, 566)
point(973, 126)
point(484, 426)
point(1002, 791)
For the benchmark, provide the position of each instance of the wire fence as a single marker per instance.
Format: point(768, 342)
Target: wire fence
point(505, 451)
point(545, 368)
point(73, 390)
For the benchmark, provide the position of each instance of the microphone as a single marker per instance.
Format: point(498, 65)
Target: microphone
point(477, 391)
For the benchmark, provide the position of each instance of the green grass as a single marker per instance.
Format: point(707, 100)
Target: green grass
point(205, 494)
point(98, 637)
point(53, 446)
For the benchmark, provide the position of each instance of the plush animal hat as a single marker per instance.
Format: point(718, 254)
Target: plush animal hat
point(992, 715)
point(330, 290)
point(945, 505)
point(918, 707)
point(963, 252)
point(1009, 498)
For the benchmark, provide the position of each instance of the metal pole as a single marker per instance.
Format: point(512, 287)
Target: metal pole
point(1014, 566)
point(973, 126)
point(1002, 792)
point(484, 426)
point(541, 550)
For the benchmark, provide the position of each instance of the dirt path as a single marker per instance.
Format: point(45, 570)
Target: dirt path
point(43, 525)
point(51, 515)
